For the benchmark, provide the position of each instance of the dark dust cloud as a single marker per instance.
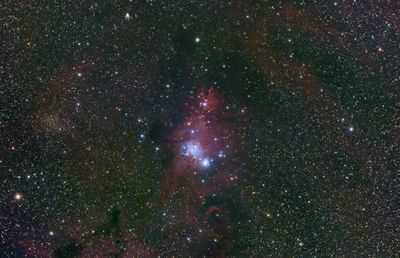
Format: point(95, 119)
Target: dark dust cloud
point(200, 129)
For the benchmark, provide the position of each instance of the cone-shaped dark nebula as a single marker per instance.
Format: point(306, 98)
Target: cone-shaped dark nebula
point(200, 129)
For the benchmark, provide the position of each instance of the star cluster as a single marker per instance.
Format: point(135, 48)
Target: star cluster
point(200, 129)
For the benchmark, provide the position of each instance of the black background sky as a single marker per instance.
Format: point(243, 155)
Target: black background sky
point(301, 128)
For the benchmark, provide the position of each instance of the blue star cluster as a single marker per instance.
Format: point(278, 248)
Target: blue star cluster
point(200, 128)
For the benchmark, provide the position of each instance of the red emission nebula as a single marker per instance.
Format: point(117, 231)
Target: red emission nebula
point(201, 144)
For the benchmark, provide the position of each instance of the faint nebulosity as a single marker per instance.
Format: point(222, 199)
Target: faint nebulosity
point(200, 129)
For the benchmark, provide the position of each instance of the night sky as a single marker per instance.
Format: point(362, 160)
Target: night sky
point(200, 129)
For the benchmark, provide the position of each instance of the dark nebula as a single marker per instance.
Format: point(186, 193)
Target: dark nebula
point(200, 129)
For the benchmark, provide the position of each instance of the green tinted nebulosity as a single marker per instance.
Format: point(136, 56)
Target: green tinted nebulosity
point(294, 106)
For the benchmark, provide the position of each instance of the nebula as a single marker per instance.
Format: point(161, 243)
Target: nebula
point(200, 129)
point(202, 137)
point(200, 143)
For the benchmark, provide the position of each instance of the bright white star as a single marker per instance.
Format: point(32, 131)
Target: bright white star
point(205, 162)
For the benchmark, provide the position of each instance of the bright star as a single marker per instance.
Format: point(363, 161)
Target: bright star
point(205, 162)
point(18, 196)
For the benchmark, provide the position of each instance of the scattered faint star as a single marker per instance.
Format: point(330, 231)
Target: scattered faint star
point(216, 129)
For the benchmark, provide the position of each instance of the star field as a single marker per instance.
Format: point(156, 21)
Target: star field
point(200, 129)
